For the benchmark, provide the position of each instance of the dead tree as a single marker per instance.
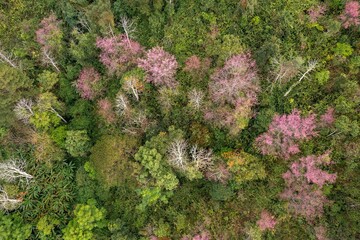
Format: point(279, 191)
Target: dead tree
point(12, 170)
point(311, 66)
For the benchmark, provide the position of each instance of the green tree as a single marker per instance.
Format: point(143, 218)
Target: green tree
point(47, 80)
point(87, 217)
point(47, 112)
point(77, 143)
point(111, 159)
point(13, 227)
point(13, 84)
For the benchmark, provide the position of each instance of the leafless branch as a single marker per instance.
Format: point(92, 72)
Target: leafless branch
point(7, 203)
point(23, 109)
point(177, 154)
point(311, 67)
point(12, 170)
point(8, 58)
point(49, 59)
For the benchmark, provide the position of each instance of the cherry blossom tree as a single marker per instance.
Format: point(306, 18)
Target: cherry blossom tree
point(49, 36)
point(218, 172)
point(351, 15)
point(328, 117)
point(236, 82)
point(285, 133)
point(118, 52)
point(88, 83)
point(308, 167)
point(266, 221)
point(304, 182)
point(316, 12)
point(192, 63)
point(234, 90)
point(105, 110)
point(160, 67)
point(320, 233)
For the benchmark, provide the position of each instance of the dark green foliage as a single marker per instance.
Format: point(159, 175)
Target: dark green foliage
point(127, 163)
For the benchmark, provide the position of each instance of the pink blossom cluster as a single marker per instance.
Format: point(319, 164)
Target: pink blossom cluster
point(201, 236)
point(87, 83)
point(234, 90)
point(219, 173)
point(105, 110)
point(303, 199)
point(284, 134)
point(160, 67)
point(304, 182)
point(192, 63)
point(236, 82)
point(320, 233)
point(266, 221)
point(316, 12)
point(308, 167)
point(328, 117)
point(351, 15)
point(118, 52)
point(48, 32)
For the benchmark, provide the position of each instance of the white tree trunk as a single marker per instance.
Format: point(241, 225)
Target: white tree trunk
point(13, 170)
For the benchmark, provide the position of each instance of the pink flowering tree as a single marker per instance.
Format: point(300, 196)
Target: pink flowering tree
point(88, 83)
point(233, 90)
point(201, 236)
point(118, 52)
point(285, 133)
point(105, 110)
point(304, 182)
point(351, 15)
point(192, 63)
point(160, 67)
point(49, 34)
point(316, 12)
point(236, 82)
point(320, 233)
point(266, 221)
point(328, 117)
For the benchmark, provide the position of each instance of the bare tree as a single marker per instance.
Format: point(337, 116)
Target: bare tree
point(122, 104)
point(202, 158)
point(8, 58)
point(136, 122)
point(178, 154)
point(129, 28)
point(284, 70)
point(132, 85)
point(23, 109)
point(8, 203)
point(311, 66)
point(48, 59)
point(196, 98)
point(12, 170)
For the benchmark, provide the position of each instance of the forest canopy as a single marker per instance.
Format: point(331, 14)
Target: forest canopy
point(179, 119)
